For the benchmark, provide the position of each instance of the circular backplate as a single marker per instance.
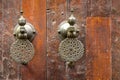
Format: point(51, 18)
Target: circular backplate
point(22, 51)
point(63, 28)
point(71, 49)
point(29, 29)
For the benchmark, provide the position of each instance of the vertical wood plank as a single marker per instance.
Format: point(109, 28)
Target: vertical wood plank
point(115, 40)
point(56, 13)
point(98, 48)
point(9, 17)
point(35, 13)
point(1, 29)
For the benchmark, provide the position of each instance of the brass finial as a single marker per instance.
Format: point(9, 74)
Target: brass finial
point(21, 12)
point(72, 19)
point(72, 10)
point(21, 20)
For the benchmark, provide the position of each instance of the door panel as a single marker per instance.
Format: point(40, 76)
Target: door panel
point(35, 13)
point(56, 13)
point(98, 48)
point(115, 40)
point(99, 31)
point(9, 13)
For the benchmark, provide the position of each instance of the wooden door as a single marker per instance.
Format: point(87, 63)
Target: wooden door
point(35, 13)
point(99, 24)
point(93, 18)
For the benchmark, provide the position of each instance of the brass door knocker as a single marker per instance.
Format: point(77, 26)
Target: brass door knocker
point(70, 49)
point(22, 50)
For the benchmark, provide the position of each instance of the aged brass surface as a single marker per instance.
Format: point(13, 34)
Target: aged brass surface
point(71, 49)
point(22, 50)
point(65, 28)
point(24, 27)
point(68, 28)
point(29, 29)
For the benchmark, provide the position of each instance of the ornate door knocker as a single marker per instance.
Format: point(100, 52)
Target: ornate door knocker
point(70, 49)
point(22, 50)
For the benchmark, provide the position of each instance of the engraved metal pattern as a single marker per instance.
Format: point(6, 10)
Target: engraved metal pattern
point(22, 51)
point(71, 49)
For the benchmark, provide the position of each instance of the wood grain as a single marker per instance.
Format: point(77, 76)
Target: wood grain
point(56, 13)
point(96, 35)
point(1, 29)
point(115, 40)
point(99, 8)
point(35, 13)
point(98, 48)
point(9, 18)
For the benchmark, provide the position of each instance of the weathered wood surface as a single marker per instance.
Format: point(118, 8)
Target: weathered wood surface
point(9, 12)
point(101, 8)
point(35, 13)
point(56, 13)
point(115, 40)
point(98, 48)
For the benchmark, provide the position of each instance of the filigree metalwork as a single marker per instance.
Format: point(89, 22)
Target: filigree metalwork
point(22, 51)
point(71, 49)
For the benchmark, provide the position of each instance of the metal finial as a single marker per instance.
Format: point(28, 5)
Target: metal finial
point(21, 20)
point(72, 10)
point(21, 12)
point(72, 19)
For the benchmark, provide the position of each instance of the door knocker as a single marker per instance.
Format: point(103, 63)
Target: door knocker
point(22, 50)
point(70, 49)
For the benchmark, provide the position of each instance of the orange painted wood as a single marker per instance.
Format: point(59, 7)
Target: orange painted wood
point(35, 13)
point(98, 48)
